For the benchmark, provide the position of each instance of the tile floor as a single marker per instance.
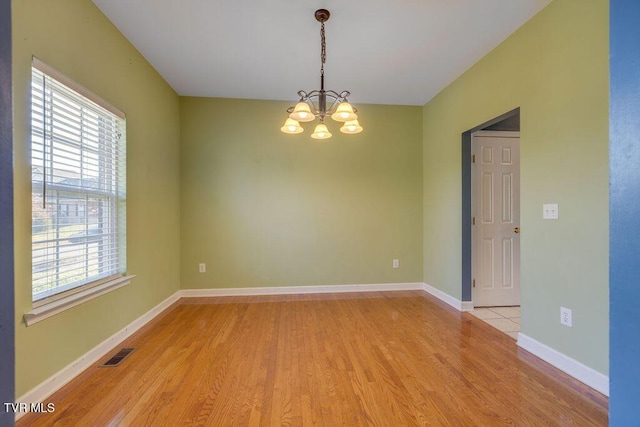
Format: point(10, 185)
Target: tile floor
point(505, 319)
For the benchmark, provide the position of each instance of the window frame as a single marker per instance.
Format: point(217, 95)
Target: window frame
point(64, 296)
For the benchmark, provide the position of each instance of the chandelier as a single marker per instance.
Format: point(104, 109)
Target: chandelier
point(322, 103)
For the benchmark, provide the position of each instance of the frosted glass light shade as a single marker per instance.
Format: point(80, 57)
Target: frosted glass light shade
point(321, 132)
point(302, 113)
point(291, 127)
point(344, 113)
point(351, 127)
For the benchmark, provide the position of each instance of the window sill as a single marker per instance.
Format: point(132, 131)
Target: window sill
point(55, 307)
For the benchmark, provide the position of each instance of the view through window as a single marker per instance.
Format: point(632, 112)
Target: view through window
point(78, 155)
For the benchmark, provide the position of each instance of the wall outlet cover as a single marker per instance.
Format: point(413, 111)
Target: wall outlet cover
point(566, 317)
point(550, 211)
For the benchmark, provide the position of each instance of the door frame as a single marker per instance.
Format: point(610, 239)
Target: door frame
point(7, 305)
point(467, 243)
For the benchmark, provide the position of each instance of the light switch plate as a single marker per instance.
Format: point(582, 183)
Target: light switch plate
point(550, 211)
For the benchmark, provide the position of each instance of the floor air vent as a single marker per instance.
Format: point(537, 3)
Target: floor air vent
point(119, 357)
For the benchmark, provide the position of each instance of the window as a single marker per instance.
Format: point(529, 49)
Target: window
point(78, 161)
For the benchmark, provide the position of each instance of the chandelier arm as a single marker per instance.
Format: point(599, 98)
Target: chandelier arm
point(332, 107)
point(334, 94)
point(338, 98)
point(323, 102)
point(313, 105)
point(309, 99)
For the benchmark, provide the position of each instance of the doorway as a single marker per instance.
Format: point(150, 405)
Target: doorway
point(510, 122)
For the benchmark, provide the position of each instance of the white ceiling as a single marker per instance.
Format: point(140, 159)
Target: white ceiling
point(383, 51)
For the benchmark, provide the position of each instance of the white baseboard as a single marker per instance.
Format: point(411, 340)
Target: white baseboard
point(444, 297)
point(582, 373)
point(52, 384)
point(288, 290)
point(467, 306)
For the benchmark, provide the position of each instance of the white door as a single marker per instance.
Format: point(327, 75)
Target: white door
point(496, 218)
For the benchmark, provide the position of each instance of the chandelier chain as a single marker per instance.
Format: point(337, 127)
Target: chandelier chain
point(323, 49)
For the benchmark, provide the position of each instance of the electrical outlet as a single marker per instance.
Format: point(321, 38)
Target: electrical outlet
point(396, 263)
point(550, 211)
point(202, 267)
point(566, 317)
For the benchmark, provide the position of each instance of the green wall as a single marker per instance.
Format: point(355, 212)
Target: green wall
point(555, 68)
point(262, 208)
point(74, 37)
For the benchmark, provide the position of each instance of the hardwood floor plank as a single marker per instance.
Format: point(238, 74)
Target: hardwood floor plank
point(383, 358)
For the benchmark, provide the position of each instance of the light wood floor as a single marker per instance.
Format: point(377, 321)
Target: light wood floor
point(387, 359)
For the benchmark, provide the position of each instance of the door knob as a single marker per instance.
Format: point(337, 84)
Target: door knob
point(516, 230)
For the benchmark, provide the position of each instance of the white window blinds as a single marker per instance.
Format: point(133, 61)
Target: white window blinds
point(78, 155)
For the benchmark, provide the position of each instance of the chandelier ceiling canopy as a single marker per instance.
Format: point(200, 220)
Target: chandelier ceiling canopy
point(322, 103)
